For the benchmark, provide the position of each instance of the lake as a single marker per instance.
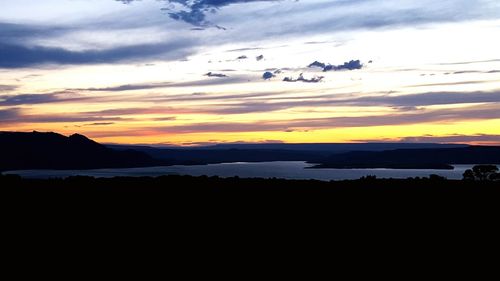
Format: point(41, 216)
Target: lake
point(285, 170)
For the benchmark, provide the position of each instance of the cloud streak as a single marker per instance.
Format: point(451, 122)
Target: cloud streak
point(18, 56)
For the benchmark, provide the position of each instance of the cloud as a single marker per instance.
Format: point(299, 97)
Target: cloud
point(27, 99)
point(195, 11)
point(445, 115)
point(430, 98)
point(18, 56)
point(446, 84)
point(7, 88)
point(351, 65)
point(479, 138)
point(159, 85)
point(218, 75)
point(340, 14)
point(8, 114)
point(470, 62)
point(21, 32)
point(88, 40)
point(100, 124)
point(19, 116)
point(267, 75)
point(317, 64)
point(301, 78)
point(410, 102)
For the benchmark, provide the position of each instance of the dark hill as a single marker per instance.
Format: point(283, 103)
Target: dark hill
point(54, 151)
point(332, 147)
point(213, 156)
point(227, 153)
point(440, 158)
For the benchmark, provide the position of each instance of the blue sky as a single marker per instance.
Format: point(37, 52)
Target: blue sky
point(136, 71)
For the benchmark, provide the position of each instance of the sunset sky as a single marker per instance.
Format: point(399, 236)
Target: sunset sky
point(191, 72)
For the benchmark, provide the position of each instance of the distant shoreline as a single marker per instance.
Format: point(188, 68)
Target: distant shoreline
point(385, 166)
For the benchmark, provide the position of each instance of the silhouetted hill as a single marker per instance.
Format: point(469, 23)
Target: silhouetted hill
point(225, 153)
point(332, 147)
point(203, 156)
point(54, 151)
point(413, 158)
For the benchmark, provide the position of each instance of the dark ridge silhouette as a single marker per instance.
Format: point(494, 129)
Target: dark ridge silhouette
point(334, 147)
point(437, 158)
point(54, 151)
point(217, 156)
point(224, 153)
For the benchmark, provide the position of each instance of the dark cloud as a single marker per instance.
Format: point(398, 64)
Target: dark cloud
point(27, 99)
point(317, 64)
point(351, 65)
point(218, 75)
point(17, 32)
point(17, 56)
point(100, 124)
point(431, 98)
point(345, 14)
point(195, 11)
point(8, 114)
point(301, 78)
point(267, 75)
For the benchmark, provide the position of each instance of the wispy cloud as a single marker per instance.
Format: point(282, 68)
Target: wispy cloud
point(7, 88)
point(19, 116)
point(31, 99)
point(195, 11)
point(17, 56)
point(435, 116)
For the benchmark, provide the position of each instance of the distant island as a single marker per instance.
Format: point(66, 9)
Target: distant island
point(39, 150)
point(433, 158)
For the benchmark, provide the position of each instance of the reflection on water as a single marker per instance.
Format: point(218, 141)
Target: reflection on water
point(286, 170)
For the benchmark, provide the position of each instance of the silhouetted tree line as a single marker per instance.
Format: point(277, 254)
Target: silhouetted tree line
point(179, 196)
point(482, 173)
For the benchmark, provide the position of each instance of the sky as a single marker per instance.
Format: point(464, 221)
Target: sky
point(196, 72)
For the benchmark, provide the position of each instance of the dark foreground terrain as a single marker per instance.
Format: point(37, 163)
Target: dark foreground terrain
point(214, 192)
point(196, 212)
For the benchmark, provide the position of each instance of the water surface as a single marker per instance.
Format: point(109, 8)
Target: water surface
point(285, 170)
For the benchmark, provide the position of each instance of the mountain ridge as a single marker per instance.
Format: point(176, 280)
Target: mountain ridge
point(49, 150)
